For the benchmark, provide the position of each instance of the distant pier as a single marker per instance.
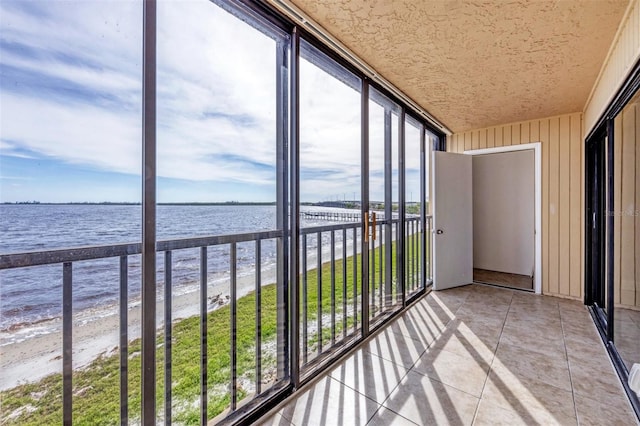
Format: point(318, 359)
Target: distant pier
point(343, 216)
point(333, 216)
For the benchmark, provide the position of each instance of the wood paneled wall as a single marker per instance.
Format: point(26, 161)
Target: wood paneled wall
point(562, 192)
point(626, 238)
point(624, 53)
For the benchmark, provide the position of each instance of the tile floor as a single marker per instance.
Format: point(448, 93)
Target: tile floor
point(472, 355)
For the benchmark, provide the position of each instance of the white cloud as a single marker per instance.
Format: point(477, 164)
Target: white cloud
point(216, 96)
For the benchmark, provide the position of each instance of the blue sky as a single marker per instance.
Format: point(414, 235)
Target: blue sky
point(71, 95)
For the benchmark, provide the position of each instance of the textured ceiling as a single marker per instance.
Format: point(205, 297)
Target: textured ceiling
point(474, 64)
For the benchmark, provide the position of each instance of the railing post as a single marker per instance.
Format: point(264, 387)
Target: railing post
point(124, 340)
point(168, 294)
point(67, 343)
point(204, 332)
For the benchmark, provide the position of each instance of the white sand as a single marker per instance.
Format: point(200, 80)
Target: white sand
point(96, 331)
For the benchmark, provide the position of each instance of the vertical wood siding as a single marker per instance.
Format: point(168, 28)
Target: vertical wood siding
point(562, 192)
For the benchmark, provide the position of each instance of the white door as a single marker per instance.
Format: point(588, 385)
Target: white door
point(452, 220)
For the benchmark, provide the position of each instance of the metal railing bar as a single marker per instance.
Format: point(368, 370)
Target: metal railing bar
point(333, 288)
point(124, 340)
point(319, 294)
point(203, 335)
point(168, 285)
point(416, 255)
point(355, 279)
point(400, 237)
point(234, 307)
point(216, 240)
point(67, 343)
point(258, 290)
point(344, 284)
point(20, 260)
point(328, 228)
point(383, 261)
point(74, 254)
point(416, 252)
point(409, 264)
point(388, 263)
point(372, 272)
point(305, 301)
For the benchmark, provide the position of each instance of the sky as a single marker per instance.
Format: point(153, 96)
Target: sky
point(71, 109)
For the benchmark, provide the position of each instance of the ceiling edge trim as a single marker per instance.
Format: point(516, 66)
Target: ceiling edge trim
point(301, 18)
point(612, 46)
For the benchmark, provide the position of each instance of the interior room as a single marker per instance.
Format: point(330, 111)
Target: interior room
point(504, 219)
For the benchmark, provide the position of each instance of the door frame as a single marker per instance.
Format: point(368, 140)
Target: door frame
point(537, 149)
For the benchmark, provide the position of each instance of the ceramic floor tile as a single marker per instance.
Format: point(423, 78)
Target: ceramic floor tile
point(586, 351)
point(386, 417)
point(575, 317)
point(274, 420)
point(473, 354)
point(433, 313)
point(534, 330)
point(528, 319)
point(542, 401)
point(369, 374)
point(482, 326)
point(417, 325)
point(396, 348)
point(589, 380)
point(534, 341)
point(531, 365)
point(496, 415)
point(581, 330)
point(597, 413)
point(486, 308)
point(461, 340)
point(495, 292)
point(441, 306)
point(466, 373)
point(329, 402)
point(575, 306)
point(524, 299)
point(429, 402)
point(489, 315)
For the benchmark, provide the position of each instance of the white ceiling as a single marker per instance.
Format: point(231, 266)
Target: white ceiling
point(477, 63)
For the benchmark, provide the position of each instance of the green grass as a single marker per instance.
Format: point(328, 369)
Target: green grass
point(97, 387)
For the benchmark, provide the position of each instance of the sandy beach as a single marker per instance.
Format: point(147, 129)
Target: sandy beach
point(34, 352)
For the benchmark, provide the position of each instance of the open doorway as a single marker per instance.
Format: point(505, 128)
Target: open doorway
point(506, 214)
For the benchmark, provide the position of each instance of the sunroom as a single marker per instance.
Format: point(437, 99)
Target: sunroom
point(320, 212)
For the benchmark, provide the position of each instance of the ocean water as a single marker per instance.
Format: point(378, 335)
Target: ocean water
point(34, 294)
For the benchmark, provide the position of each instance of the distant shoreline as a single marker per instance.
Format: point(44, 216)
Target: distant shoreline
point(108, 203)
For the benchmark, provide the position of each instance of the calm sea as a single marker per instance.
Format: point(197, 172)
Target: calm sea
point(29, 295)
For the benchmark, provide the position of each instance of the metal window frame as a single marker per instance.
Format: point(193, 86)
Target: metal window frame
point(597, 244)
point(148, 350)
point(288, 196)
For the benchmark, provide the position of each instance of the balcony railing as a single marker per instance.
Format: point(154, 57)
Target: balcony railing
point(331, 297)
